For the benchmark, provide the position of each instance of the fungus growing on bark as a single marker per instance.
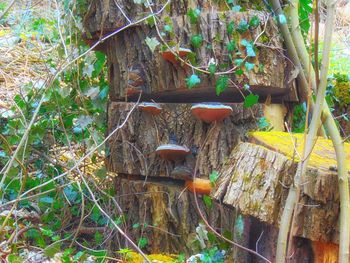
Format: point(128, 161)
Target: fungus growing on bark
point(201, 186)
point(172, 152)
point(182, 172)
point(150, 107)
point(210, 112)
point(171, 57)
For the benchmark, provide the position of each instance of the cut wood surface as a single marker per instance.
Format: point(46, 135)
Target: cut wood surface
point(132, 149)
point(291, 145)
point(255, 180)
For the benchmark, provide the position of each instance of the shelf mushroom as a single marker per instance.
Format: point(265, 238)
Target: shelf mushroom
point(150, 107)
point(171, 55)
point(172, 152)
point(210, 112)
point(198, 185)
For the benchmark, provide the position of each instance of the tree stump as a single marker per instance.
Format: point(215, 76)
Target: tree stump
point(129, 57)
point(132, 149)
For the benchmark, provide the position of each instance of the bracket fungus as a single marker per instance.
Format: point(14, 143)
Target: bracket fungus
point(172, 152)
point(201, 186)
point(210, 112)
point(171, 55)
point(150, 107)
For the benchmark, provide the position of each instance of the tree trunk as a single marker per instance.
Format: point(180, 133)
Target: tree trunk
point(132, 150)
point(164, 81)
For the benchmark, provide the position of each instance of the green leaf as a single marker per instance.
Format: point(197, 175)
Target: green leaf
point(249, 47)
point(249, 66)
point(221, 84)
point(152, 43)
point(193, 15)
point(231, 46)
point(12, 258)
point(254, 21)
point(213, 177)
point(136, 225)
point(208, 201)
point(230, 28)
point(52, 249)
point(46, 199)
point(236, 8)
point(250, 100)
point(196, 41)
point(242, 26)
point(212, 68)
point(192, 81)
point(238, 62)
point(98, 237)
point(143, 242)
point(168, 28)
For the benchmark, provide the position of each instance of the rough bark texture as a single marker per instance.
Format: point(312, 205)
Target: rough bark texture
point(132, 149)
point(167, 215)
point(254, 180)
point(165, 81)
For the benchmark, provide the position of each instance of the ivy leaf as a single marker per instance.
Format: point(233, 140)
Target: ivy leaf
point(193, 15)
point(236, 8)
point(249, 66)
point(12, 258)
point(212, 68)
point(249, 47)
point(208, 201)
point(83, 121)
point(242, 26)
point(239, 72)
point(230, 28)
point(213, 177)
point(196, 41)
point(282, 19)
point(168, 28)
point(250, 100)
point(238, 62)
point(254, 22)
point(152, 43)
point(231, 46)
point(142, 242)
point(192, 81)
point(221, 85)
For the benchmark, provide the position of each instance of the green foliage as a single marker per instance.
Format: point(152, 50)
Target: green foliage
point(250, 100)
point(264, 125)
point(213, 177)
point(193, 81)
point(152, 43)
point(299, 116)
point(254, 21)
point(221, 84)
point(212, 68)
point(230, 28)
point(196, 41)
point(242, 26)
point(305, 9)
point(193, 14)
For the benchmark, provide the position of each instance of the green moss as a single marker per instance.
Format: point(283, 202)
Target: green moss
point(134, 257)
point(342, 92)
point(323, 155)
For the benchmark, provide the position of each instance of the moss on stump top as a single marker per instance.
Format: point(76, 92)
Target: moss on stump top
point(291, 145)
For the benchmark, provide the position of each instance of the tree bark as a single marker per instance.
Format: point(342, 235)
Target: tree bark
point(132, 150)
